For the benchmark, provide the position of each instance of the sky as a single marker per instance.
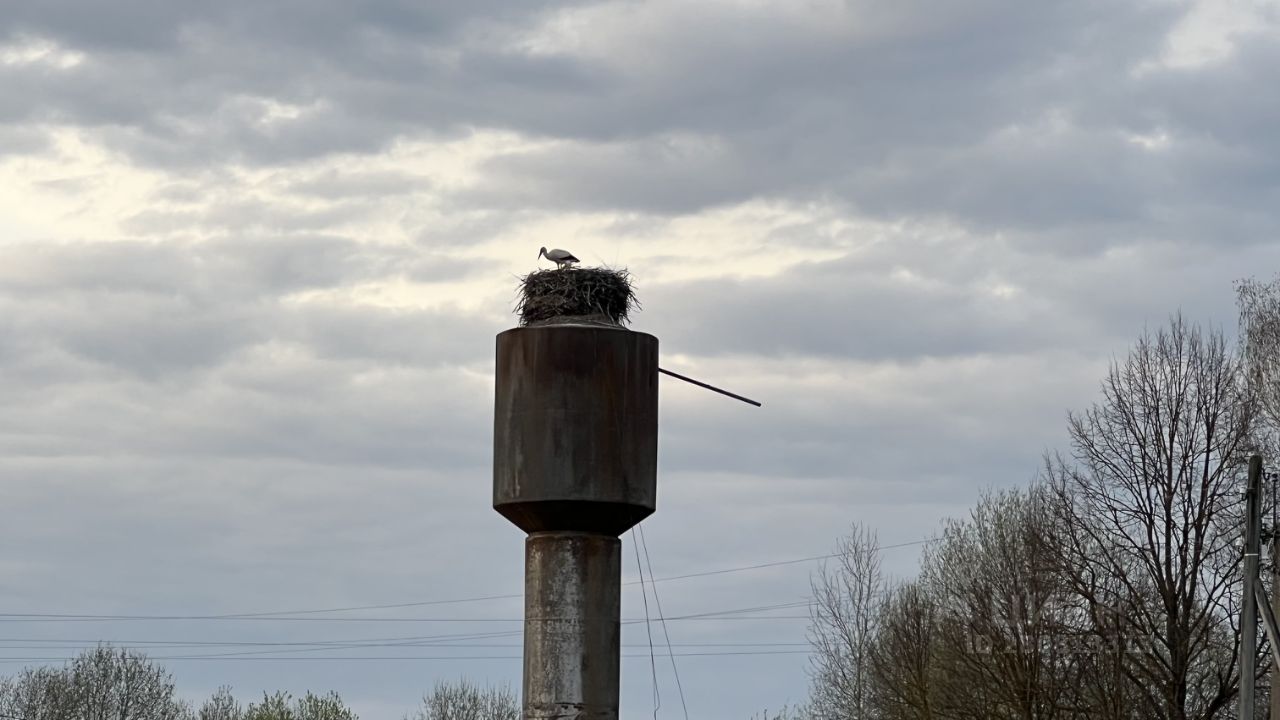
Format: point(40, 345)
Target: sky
point(254, 256)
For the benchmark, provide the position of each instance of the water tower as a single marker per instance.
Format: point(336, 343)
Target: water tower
point(575, 466)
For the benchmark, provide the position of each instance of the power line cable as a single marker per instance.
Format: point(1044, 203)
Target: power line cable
point(451, 640)
point(340, 644)
point(274, 615)
point(653, 664)
point(780, 563)
point(269, 615)
point(212, 658)
point(736, 614)
point(662, 618)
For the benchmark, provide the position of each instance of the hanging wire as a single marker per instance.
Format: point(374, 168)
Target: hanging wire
point(662, 618)
point(275, 615)
point(648, 627)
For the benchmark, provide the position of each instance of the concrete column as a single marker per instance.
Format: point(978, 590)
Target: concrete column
point(572, 602)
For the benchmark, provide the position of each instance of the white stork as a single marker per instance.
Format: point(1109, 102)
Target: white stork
point(562, 258)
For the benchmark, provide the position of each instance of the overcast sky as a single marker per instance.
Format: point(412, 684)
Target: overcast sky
point(253, 256)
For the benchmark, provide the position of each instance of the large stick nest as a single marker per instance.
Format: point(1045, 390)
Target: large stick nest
point(589, 294)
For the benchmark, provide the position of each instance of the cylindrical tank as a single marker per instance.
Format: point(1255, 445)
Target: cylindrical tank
point(575, 428)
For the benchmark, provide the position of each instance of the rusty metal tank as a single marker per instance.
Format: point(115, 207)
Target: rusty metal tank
point(575, 428)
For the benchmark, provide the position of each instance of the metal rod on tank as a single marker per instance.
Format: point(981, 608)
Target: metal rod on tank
point(699, 383)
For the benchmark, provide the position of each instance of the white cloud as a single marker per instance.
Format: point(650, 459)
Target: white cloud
point(26, 51)
point(1209, 32)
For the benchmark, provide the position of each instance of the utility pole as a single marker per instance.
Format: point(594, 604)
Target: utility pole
point(1249, 608)
point(575, 454)
point(1275, 599)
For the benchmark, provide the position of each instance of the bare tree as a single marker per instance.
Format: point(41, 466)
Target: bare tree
point(282, 706)
point(1109, 592)
point(1259, 304)
point(100, 684)
point(1004, 614)
point(464, 700)
point(38, 694)
point(786, 712)
point(277, 706)
point(1148, 506)
point(904, 656)
point(846, 601)
point(221, 706)
point(120, 684)
point(323, 707)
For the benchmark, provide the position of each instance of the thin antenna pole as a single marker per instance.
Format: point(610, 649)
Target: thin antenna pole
point(713, 388)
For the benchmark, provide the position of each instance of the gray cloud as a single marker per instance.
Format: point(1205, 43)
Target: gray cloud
point(333, 185)
point(207, 270)
point(995, 116)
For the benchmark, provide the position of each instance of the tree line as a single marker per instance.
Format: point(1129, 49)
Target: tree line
point(109, 683)
point(1107, 589)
